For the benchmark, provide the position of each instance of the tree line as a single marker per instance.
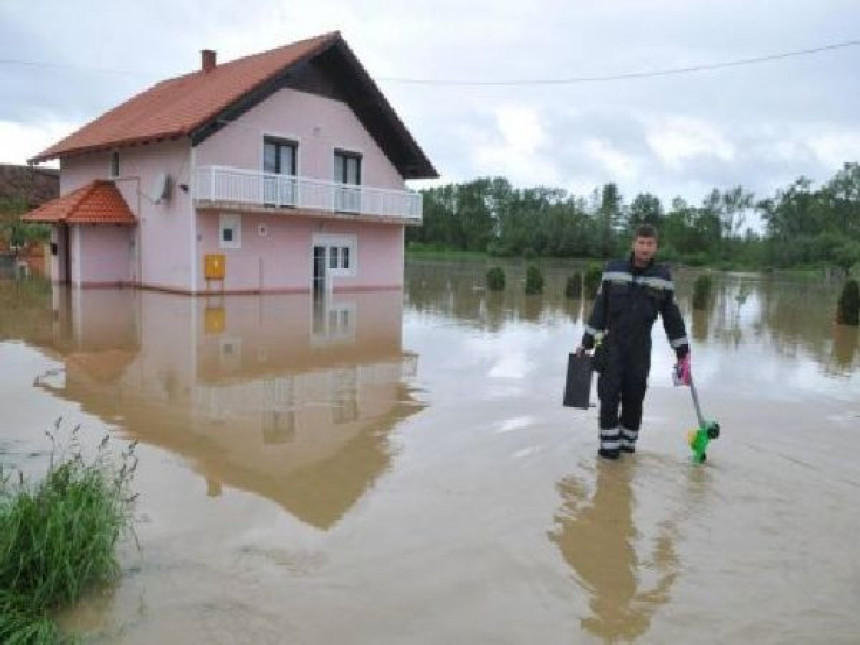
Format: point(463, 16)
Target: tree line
point(803, 225)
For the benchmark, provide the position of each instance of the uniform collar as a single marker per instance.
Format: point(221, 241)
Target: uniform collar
point(631, 260)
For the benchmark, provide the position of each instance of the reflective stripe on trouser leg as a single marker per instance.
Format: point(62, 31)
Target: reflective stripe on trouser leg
point(610, 439)
point(628, 437)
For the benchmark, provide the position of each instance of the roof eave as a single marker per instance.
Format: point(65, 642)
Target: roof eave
point(50, 153)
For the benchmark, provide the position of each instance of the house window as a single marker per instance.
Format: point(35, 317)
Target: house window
point(339, 259)
point(279, 156)
point(230, 231)
point(114, 164)
point(347, 171)
point(347, 167)
point(339, 253)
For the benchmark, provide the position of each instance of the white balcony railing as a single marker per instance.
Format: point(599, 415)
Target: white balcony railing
point(238, 186)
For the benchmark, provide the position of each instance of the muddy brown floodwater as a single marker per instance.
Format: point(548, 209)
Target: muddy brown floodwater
point(396, 467)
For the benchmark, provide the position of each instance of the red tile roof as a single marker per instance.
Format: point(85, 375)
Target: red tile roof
point(177, 106)
point(99, 202)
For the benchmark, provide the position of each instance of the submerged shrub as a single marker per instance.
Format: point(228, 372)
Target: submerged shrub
point(848, 306)
point(591, 281)
point(702, 292)
point(573, 289)
point(534, 280)
point(496, 279)
point(57, 537)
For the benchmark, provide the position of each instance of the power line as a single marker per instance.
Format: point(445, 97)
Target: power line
point(77, 68)
point(625, 76)
point(507, 82)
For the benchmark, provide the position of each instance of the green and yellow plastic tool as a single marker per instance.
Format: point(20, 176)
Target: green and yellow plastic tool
point(704, 434)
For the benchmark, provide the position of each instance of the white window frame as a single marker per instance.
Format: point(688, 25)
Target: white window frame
point(234, 221)
point(339, 240)
point(289, 138)
point(114, 153)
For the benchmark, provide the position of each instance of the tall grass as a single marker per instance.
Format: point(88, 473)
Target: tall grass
point(58, 536)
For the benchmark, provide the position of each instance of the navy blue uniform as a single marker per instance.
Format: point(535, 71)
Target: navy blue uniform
point(628, 302)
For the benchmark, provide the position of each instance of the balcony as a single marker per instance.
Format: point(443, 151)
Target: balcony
point(222, 187)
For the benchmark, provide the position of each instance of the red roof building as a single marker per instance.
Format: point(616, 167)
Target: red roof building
point(285, 169)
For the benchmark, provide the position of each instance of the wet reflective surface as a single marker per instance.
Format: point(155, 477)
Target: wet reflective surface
point(397, 467)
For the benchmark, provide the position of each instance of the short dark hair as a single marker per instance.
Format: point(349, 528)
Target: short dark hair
point(646, 230)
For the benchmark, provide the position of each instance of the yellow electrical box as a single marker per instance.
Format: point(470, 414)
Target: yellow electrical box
point(214, 320)
point(215, 266)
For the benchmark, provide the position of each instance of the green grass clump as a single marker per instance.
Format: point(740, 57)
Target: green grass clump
point(534, 280)
point(591, 281)
point(573, 288)
point(496, 279)
point(702, 292)
point(848, 306)
point(58, 537)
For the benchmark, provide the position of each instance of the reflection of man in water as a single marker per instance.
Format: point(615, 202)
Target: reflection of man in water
point(597, 542)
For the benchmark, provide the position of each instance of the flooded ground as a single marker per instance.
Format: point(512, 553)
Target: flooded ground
point(396, 467)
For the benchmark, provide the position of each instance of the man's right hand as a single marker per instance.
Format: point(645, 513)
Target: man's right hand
point(684, 371)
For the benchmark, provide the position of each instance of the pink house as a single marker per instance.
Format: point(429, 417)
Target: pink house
point(278, 172)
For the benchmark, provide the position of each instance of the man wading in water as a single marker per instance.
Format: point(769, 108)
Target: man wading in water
point(632, 292)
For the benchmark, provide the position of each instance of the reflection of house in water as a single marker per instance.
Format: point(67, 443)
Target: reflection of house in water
point(284, 396)
point(597, 541)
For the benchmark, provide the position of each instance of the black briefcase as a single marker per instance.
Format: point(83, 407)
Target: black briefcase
point(577, 388)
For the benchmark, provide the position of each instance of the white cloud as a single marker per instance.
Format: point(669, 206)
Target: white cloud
point(835, 148)
point(22, 141)
point(677, 139)
point(622, 167)
point(518, 151)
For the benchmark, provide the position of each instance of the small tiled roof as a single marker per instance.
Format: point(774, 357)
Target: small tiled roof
point(99, 202)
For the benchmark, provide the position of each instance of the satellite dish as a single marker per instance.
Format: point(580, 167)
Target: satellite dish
point(161, 186)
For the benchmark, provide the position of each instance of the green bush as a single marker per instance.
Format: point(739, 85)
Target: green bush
point(573, 288)
point(848, 306)
point(702, 292)
point(496, 279)
point(57, 538)
point(591, 281)
point(696, 259)
point(534, 280)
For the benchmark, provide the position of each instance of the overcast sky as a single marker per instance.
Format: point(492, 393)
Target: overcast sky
point(759, 125)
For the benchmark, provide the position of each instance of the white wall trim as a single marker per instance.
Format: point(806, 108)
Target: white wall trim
point(111, 153)
point(233, 220)
point(339, 240)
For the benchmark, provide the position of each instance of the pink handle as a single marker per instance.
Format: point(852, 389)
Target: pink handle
point(684, 371)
